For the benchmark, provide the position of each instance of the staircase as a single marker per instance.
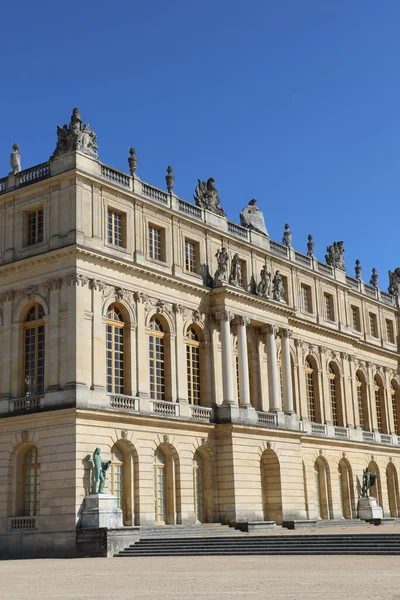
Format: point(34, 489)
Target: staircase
point(226, 544)
point(184, 531)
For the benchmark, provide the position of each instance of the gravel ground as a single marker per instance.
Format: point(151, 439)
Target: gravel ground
point(211, 578)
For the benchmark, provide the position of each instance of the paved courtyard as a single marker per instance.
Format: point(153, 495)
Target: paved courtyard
point(211, 578)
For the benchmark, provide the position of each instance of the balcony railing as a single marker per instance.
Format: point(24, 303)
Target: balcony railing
point(164, 409)
point(26, 404)
point(386, 438)
point(155, 193)
point(318, 429)
point(325, 269)
point(341, 432)
point(238, 230)
point(22, 523)
point(201, 413)
point(303, 259)
point(269, 419)
point(190, 209)
point(368, 436)
point(34, 174)
point(277, 248)
point(122, 402)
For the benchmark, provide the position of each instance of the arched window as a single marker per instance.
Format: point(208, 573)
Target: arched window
point(117, 486)
point(312, 391)
point(322, 489)
point(395, 395)
point(193, 366)
point(160, 500)
point(334, 389)
point(34, 342)
point(362, 401)
point(31, 479)
point(157, 359)
point(380, 405)
point(115, 348)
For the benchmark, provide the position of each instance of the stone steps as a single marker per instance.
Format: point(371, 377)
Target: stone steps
point(323, 544)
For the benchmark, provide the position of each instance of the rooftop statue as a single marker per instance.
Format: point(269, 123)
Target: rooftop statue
point(310, 246)
point(394, 284)
point(206, 196)
point(358, 269)
point(170, 179)
point(335, 256)
point(76, 136)
point(287, 236)
point(132, 161)
point(252, 218)
point(15, 160)
point(99, 472)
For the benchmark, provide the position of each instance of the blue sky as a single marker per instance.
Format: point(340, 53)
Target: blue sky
point(293, 102)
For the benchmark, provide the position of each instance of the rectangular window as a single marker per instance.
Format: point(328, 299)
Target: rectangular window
point(191, 256)
point(390, 331)
point(156, 243)
point(34, 226)
point(328, 308)
point(355, 315)
point(373, 323)
point(116, 228)
point(306, 305)
point(243, 278)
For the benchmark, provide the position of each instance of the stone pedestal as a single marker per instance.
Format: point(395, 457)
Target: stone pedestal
point(368, 509)
point(101, 510)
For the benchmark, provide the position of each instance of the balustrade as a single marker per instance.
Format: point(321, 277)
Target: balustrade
point(34, 174)
point(22, 523)
point(164, 409)
point(201, 413)
point(238, 230)
point(190, 209)
point(303, 259)
point(124, 403)
point(115, 176)
point(318, 429)
point(154, 193)
point(269, 419)
point(277, 248)
point(26, 404)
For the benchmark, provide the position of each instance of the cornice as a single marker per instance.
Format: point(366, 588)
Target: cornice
point(343, 337)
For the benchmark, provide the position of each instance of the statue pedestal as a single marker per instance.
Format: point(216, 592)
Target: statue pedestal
point(368, 509)
point(101, 510)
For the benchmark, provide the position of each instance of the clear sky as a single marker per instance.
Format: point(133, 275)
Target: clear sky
point(292, 102)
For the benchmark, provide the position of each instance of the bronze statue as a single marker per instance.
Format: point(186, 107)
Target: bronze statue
point(99, 471)
point(369, 480)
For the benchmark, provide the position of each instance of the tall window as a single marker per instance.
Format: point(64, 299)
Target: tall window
point(243, 274)
point(193, 365)
point(328, 307)
point(236, 359)
point(362, 401)
point(156, 243)
point(306, 303)
point(115, 350)
point(380, 409)
point(198, 485)
point(373, 324)
point(116, 228)
point(34, 226)
point(191, 256)
point(333, 385)
point(157, 362)
point(310, 391)
point(355, 315)
point(31, 502)
point(394, 392)
point(160, 487)
point(34, 334)
point(390, 331)
point(117, 476)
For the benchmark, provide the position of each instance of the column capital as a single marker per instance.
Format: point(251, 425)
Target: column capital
point(224, 315)
point(270, 329)
point(285, 333)
point(242, 320)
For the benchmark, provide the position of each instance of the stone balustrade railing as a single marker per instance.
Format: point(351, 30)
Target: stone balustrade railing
point(22, 523)
point(117, 177)
point(26, 404)
point(268, 419)
point(201, 413)
point(122, 402)
point(164, 409)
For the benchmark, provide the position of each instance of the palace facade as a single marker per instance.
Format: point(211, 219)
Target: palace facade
point(227, 377)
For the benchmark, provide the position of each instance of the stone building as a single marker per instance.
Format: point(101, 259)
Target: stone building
point(228, 377)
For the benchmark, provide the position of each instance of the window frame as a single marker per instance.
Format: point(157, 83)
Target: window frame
point(373, 325)
point(161, 244)
point(38, 339)
point(38, 234)
point(192, 264)
point(112, 240)
point(329, 308)
point(306, 302)
point(193, 363)
point(355, 318)
point(116, 326)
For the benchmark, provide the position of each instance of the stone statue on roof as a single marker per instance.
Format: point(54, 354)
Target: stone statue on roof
point(76, 137)
point(206, 196)
point(15, 160)
point(394, 284)
point(251, 217)
point(335, 256)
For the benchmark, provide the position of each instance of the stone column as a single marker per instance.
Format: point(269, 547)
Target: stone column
point(53, 338)
point(285, 335)
point(5, 384)
point(273, 380)
point(244, 383)
point(225, 317)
